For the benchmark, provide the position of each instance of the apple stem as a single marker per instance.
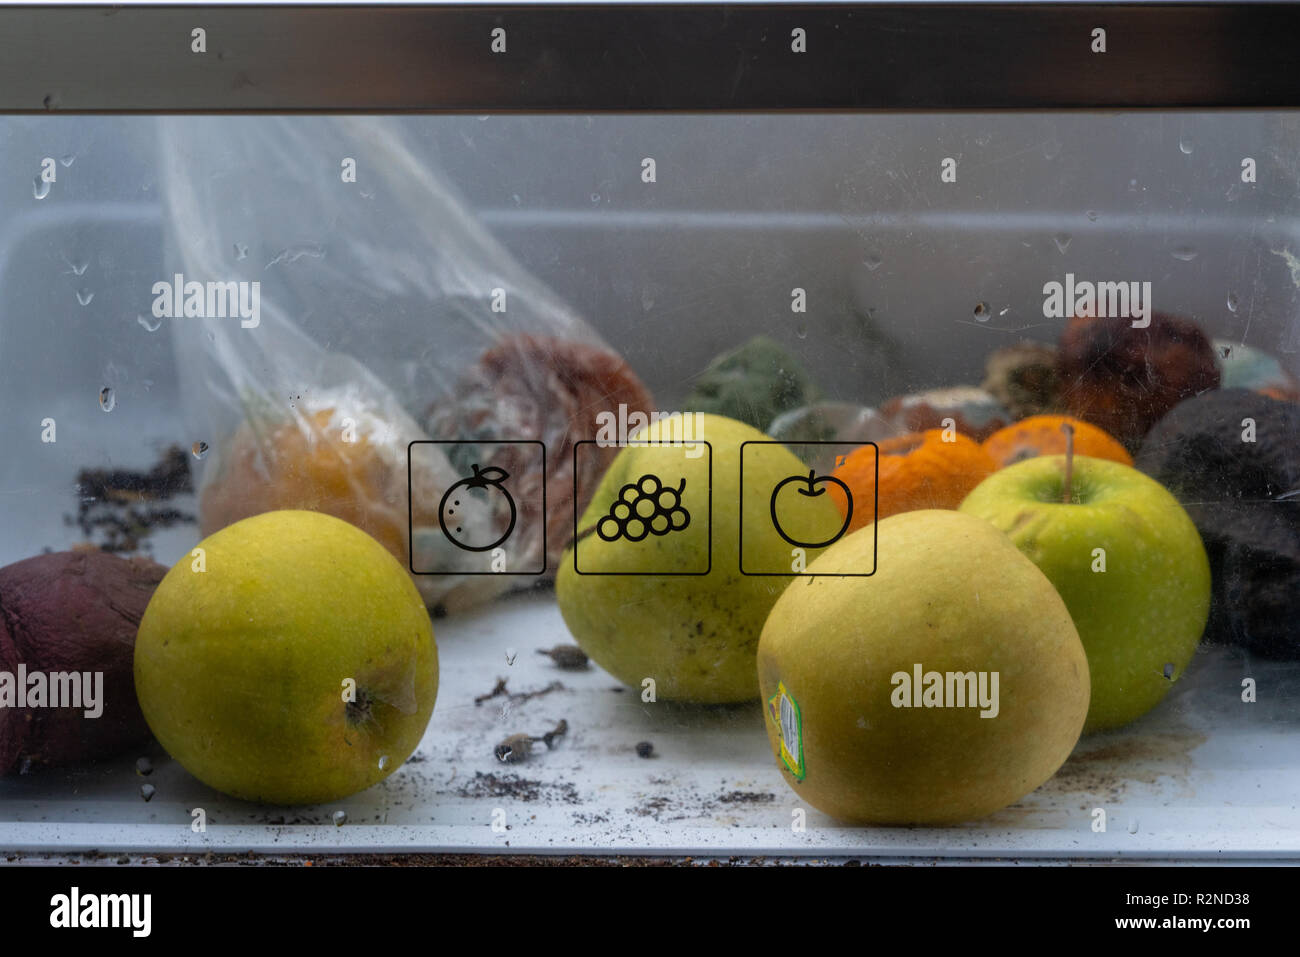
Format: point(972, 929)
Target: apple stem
point(1068, 429)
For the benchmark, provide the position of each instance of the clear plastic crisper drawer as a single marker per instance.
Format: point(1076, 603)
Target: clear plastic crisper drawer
point(911, 283)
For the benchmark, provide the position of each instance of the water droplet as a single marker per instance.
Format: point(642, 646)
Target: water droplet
point(1132, 186)
point(144, 766)
point(147, 791)
point(1183, 253)
point(647, 300)
point(1133, 826)
point(1232, 302)
point(107, 399)
point(595, 197)
point(340, 818)
point(383, 762)
point(872, 262)
point(151, 322)
point(84, 296)
point(67, 159)
point(241, 251)
point(1092, 215)
point(981, 312)
point(40, 188)
point(199, 449)
point(212, 337)
point(1185, 145)
point(1062, 241)
point(801, 331)
point(1052, 148)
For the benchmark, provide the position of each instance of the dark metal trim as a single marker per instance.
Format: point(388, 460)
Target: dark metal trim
point(595, 58)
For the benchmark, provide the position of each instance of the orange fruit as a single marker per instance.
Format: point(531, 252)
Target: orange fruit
point(1043, 435)
point(1279, 392)
point(305, 464)
point(918, 470)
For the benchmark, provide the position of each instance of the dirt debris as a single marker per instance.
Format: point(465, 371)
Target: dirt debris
point(515, 697)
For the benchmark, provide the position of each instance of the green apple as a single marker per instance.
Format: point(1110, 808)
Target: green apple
point(1128, 562)
point(628, 603)
point(946, 686)
point(288, 660)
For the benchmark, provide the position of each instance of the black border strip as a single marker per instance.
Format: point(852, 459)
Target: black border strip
point(605, 57)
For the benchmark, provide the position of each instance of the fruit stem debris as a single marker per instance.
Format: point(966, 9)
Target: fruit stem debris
point(569, 657)
point(518, 747)
point(499, 689)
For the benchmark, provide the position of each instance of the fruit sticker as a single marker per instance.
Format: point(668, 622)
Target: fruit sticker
point(457, 500)
point(645, 507)
point(784, 710)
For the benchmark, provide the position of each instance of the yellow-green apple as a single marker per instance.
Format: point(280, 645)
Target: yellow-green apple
point(1127, 560)
point(288, 659)
point(627, 603)
point(946, 686)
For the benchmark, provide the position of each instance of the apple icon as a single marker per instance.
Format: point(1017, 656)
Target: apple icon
point(808, 486)
point(1126, 559)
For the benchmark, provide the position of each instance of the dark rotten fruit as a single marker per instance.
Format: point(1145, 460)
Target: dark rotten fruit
point(553, 390)
point(1124, 379)
point(73, 612)
point(1244, 498)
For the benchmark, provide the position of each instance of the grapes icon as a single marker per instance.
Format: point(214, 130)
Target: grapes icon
point(644, 507)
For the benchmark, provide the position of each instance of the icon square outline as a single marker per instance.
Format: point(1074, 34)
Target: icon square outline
point(410, 502)
point(875, 513)
point(645, 443)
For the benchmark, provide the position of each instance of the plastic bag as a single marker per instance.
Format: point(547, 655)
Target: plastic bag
point(359, 307)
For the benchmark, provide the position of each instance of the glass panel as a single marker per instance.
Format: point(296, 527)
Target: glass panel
point(760, 478)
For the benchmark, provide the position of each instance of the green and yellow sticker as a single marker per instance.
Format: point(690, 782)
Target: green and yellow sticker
point(784, 710)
